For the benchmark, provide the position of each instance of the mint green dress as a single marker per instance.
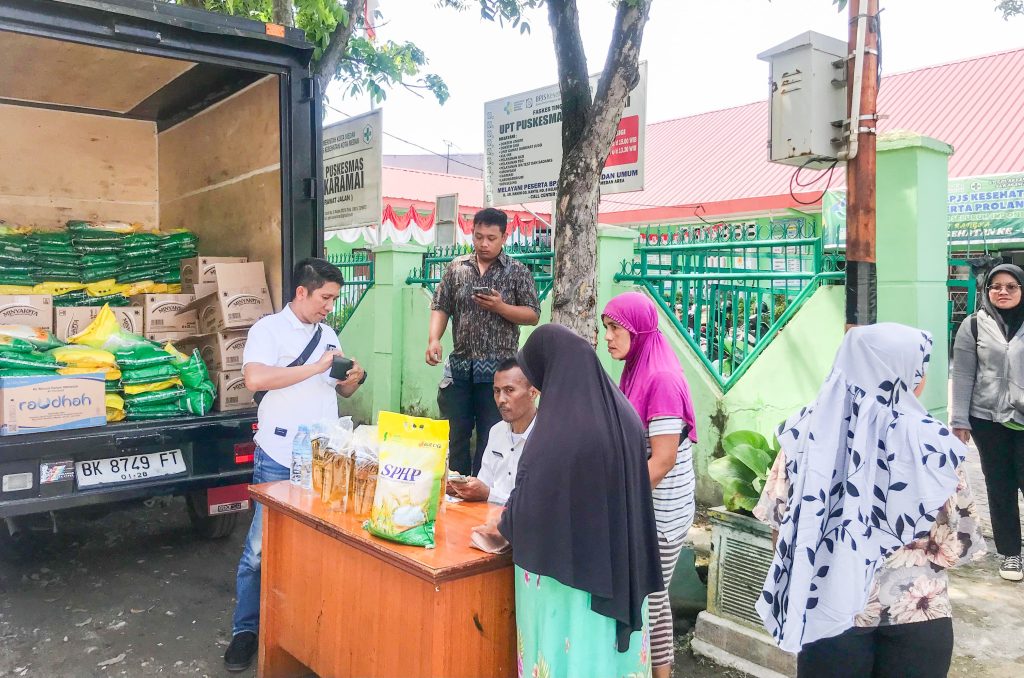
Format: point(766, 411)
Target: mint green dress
point(559, 636)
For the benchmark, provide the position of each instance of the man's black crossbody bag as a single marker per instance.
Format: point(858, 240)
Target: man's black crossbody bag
point(301, 360)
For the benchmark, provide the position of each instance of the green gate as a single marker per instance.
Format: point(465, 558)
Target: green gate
point(962, 288)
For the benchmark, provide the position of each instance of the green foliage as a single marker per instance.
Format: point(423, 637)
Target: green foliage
point(743, 470)
point(368, 67)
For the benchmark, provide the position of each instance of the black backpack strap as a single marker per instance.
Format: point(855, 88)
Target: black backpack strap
point(301, 360)
point(974, 327)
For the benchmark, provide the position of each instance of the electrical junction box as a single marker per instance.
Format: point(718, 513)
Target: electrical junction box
point(808, 100)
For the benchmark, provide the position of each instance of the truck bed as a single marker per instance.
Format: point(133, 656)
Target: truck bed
point(216, 450)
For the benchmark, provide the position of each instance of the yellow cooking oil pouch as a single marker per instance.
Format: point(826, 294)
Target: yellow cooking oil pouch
point(410, 482)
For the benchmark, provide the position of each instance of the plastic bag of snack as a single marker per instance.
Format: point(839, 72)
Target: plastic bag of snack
point(413, 456)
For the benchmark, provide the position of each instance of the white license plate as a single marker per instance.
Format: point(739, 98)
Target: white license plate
point(129, 467)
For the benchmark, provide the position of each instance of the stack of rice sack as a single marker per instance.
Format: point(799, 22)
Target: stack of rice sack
point(156, 382)
point(93, 263)
point(32, 351)
point(25, 352)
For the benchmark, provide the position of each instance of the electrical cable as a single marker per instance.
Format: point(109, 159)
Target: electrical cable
point(795, 179)
point(413, 144)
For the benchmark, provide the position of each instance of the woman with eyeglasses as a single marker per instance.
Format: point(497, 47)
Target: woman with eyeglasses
point(988, 403)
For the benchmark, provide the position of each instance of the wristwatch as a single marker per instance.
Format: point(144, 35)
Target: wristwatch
point(363, 380)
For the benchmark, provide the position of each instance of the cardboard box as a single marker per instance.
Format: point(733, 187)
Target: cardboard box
point(231, 391)
point(51, 403)
point(201, 269)
point(70, 320)
point(34, 310)
point(221, 351)
point(175, 338)
point(242, 298)
point(199, 289)
point(166, 313)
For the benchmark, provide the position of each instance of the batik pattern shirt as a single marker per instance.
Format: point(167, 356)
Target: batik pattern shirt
point(912, 584)
point(481, 335)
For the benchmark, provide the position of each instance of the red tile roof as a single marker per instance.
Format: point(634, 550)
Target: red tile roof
point(719, 159)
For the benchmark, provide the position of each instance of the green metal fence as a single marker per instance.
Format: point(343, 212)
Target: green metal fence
point(357, 269)
point(730, 288)
point(538, 258)
point(961, 286)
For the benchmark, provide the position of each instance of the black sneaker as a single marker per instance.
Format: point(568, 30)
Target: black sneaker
point(241, 651)
point(1011, 569)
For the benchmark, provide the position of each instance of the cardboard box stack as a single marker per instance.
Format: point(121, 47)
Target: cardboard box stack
point(230, 298)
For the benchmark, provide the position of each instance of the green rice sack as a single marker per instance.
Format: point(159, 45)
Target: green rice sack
point(170, 395)
point(143, 356)
point(148, 375)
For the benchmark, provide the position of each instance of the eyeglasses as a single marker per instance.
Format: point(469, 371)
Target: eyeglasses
point(1011, 288)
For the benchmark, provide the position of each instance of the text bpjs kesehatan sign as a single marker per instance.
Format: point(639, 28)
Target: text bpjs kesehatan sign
point(352, 172)
point(523, 143)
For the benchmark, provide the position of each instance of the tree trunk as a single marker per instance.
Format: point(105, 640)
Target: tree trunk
point(330, 62)
point(283, 13)
point(588, 129)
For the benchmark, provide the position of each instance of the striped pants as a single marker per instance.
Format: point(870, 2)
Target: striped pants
point(662, 646)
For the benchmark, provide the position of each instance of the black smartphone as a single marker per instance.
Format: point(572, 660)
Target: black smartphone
point(485, 291)
point(340, 367)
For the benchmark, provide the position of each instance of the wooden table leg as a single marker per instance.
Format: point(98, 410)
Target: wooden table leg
point(274, 661)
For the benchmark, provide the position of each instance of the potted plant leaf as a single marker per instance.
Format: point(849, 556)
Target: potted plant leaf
point(741, 555)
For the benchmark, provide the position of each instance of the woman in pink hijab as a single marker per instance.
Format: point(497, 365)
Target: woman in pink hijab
point(654, 383)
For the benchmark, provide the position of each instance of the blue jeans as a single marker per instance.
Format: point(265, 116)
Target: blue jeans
point(247, 583)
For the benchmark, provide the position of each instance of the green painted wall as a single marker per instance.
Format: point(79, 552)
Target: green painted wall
point(911, 246)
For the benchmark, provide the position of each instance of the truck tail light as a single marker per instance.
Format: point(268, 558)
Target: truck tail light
point(245, 453)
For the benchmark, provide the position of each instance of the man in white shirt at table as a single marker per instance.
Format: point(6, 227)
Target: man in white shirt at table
point(296, 393)
point(516, 399)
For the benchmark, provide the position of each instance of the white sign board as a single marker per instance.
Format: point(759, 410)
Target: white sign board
point(352, 172)
point(523, 143)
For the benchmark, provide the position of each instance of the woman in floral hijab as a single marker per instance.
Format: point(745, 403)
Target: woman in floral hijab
point(870, 505)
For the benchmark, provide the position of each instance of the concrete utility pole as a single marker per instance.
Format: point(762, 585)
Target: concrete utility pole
point(862, 80)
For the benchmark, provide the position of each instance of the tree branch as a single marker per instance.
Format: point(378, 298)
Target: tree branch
point(331, 60)
point(620, 75)
point(573, 77)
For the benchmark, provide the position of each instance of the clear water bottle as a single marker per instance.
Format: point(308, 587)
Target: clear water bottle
point(301, 443)
point(306, 450)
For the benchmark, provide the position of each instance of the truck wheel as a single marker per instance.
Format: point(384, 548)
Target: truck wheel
point(207, 526)
point(14, 549)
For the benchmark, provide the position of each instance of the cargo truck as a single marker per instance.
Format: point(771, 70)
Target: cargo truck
point(173, 118)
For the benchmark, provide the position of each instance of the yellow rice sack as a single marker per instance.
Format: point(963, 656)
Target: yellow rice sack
point(135, 389)
point(74, 355)
point(413, 458)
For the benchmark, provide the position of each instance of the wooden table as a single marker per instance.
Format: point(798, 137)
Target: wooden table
point(339, 602)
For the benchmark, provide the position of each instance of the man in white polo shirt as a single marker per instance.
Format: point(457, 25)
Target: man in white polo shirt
point(516, 399)
point(295, 392)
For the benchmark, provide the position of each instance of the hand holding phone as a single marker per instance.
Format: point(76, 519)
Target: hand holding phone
point(340, 367)
point(484, 291)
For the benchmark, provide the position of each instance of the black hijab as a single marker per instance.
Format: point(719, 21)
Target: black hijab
point(1010, 319)
point(581, 511)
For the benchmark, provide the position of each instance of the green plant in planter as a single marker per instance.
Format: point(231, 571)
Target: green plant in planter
point(743, 470)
